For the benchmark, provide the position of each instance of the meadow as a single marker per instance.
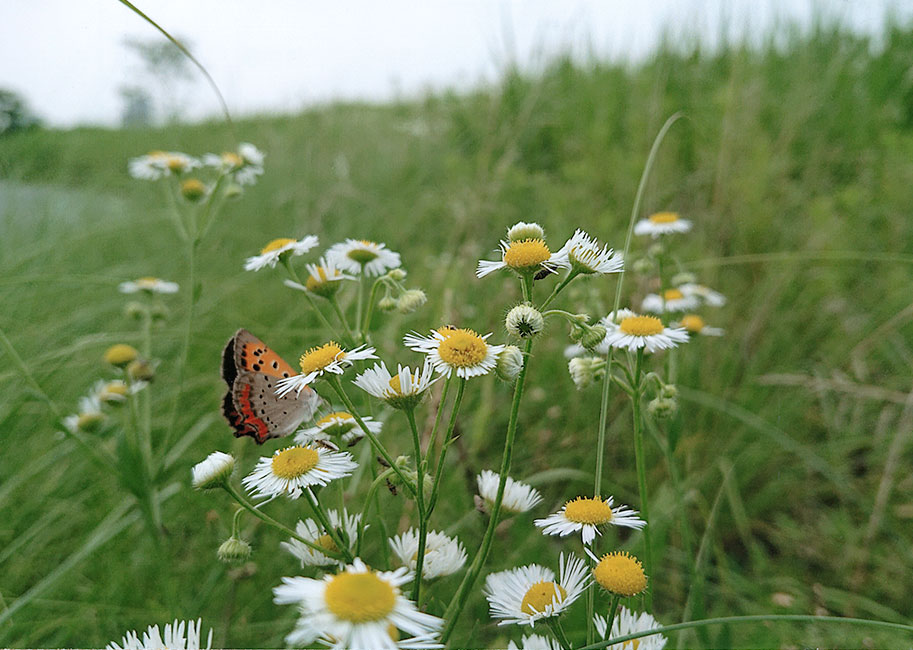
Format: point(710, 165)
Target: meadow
point(793, 158)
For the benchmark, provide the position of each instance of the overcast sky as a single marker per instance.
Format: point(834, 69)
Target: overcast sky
point(67, 56)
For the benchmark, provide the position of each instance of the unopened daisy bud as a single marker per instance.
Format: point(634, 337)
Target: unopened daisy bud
point(397, 274)
point(510, 363)
point(662, 408)
point(683, 278)
point(656, 250)
point(134, 310)
point(585, 370)
point(140, 370)
point(620, 573)
point(234, 191)
point(411, 300)
point(233, 551)
point(592, 336)
point(669, 391)
point(387, 303)
point(159, 312)
point(212, 472)
point(523, 230)
point(193, 189)
point(524, 321)
point(90, 422)
point(120, 355)
point(643, 266)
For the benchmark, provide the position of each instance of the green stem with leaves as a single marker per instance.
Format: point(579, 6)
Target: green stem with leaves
point(445, 445)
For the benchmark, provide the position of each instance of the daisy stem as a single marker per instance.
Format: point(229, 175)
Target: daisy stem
point(369, 311)
point(171, 193)
point(558, 288)
point(440, 411)
point(526, 286)
point(555, 625)
point(459, 599)
point(147, 394)
point(327, 525)
point(359, 299)
point(420, 502)
point(205, 215)
point(262, 516)
point(378, 447)
point(342, 319)
point(445, 445)
point(369, 499)
point(323, 319)
point(613, 610)
point(640, 461)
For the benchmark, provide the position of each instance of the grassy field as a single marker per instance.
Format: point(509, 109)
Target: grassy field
point(795, 160)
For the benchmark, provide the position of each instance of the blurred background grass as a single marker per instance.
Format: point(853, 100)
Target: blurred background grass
point(794, 161)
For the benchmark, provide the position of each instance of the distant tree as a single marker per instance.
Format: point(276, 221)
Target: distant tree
point(15, 114)
point(138, 107)
point(167, 70)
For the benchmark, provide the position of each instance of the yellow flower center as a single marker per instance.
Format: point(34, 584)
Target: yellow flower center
point(462, 348)
point(693, 323)
point(325, 541)
point(641, 325)
point(359, 597)
point(312, 282)
point(621, 573)
point(294, 462)
point(232, 159)
point(147, 282)
point(673, 294)
point(175, 163)
point(527, 253)
point(337, 423)
point(540, 596)
point(392, 632)
point(365, 254)
point(319, 358)
point(120, 354)
point(276, 244)
point(583, 510)
point(116, 388)
point(339, 415)
point(664, 217)
point(193, 189)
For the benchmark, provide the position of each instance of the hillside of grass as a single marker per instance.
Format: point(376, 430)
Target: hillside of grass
point(795, 162)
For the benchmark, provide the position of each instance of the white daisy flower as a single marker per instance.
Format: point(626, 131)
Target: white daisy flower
point(518, 497)
point(324, 278)
point(586, 515)
point(530, 593)
point(115, 390)
point(290, 470)
point(462, 350)
point(671, 299)
point(313, 532)
point(245, 165)
point(340, 424)
point(443, 555)
point(705, 294)
point(328, 357)
point(583, 254)
point(213, 471)
point(357, 609)
point(535, 642)
point(523, 256)
point(363, 256)
point(662, 223)
point(180, 635)
point(627, 622)
point(157, 164)
point(694, 324)
point(404, 390)
point(609, 322)
point(273, 252)
point(150, 285)
point(647, 332)
point(250, 154)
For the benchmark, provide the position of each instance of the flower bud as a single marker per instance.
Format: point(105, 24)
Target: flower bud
point(193, 189)
point(524, 321)
point(120, 355)
point(585, 370)
point(159, 312)
point(656, 250)
point(234, 191)
point(523, 230)
point(643, 266)
point(510, 363)
point(233, 551)
point(411, 300)
point(683, 278)
point(669, 391)
point(212, 472)
point(662, 408)
point(134, 310)
point(140, 370)
point(397, 274)
point(592, 336)
point(387, 303)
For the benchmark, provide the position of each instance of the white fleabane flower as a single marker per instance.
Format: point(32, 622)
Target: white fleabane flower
point(705, 294)
point(518, 497)
point(357, 609)
point(179, 635)
point(443, 555)
point(523, 256)
point(314, 532)
point(662, 223)
point(694, 324)
point(534, 642)
point(530, 593)
point(293, 469)
point(672, 300)
point(271, 253)
point(363, 256)
point(213, 471)
point(149, 285)
point(326, 358)
point(627, 622)
point(404, 390)
point(451, 349)
point(341, 424)
point(157, 164)
point(647, 332)
point(584, 255)
point(324, 279)
point(585, 515)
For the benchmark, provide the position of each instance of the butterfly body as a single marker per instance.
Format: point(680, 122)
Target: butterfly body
point(251, 406)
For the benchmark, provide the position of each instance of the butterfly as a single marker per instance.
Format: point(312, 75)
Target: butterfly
point(251, 405)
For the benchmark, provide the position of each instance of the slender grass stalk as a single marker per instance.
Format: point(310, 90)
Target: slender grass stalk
point(342, 319)
point(327, 525)
point(451, 615)
point(432, 439)
point(554, 625)
point(369, 311)
point(640, 461)
point(752, 618)
point(420, 503)
point(613, 610)
point(445, 445)
point(558, 287)
point(307, 295)
point(369, 500)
